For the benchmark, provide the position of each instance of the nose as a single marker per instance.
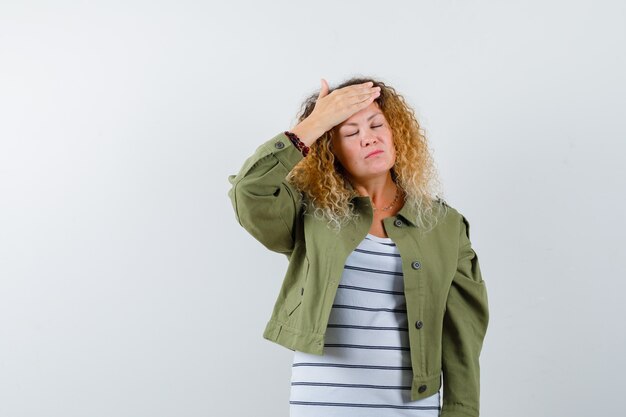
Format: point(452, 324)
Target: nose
point(368, 137)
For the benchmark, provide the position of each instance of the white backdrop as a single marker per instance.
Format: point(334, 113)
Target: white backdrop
point(127, 287)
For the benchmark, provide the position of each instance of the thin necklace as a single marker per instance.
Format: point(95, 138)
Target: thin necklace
point(392, 203)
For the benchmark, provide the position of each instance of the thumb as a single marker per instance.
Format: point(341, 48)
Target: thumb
point(323, 90)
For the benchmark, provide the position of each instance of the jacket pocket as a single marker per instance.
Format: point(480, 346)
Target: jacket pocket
point(297, 295)
point(292, 309)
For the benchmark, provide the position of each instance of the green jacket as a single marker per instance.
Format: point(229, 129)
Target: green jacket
point(445, 294)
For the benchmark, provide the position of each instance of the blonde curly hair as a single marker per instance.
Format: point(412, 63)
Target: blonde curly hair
point(322, 180)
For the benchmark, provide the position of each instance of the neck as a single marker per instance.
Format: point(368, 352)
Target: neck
point(382, 190)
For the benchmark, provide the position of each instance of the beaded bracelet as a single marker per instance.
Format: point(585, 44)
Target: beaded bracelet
point(297, 143)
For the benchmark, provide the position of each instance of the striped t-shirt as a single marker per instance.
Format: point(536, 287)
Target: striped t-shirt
point(366, 367)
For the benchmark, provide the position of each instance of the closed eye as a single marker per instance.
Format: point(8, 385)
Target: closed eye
point(373, 127)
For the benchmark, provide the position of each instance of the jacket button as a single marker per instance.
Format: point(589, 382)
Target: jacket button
point(279, 145)
point(416, 265)
point(419, 324)
point(422, 388)
point(302, 291)
point(398, 223)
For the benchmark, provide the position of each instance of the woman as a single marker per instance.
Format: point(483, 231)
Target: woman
point(383, 296)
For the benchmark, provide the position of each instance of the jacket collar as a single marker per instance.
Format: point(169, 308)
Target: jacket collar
point(406, 212)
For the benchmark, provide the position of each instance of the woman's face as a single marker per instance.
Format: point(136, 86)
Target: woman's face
point(358, 137)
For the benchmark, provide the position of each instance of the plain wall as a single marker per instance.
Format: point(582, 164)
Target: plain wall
point(127, 287)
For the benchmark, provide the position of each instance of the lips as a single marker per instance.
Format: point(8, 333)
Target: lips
point(374, 153)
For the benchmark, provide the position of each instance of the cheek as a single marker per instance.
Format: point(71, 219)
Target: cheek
point(394, 153)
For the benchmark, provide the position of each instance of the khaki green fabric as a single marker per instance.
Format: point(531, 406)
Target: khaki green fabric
point(443, 286)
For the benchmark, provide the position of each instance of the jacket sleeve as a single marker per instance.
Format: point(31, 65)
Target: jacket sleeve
point(464, 327)
point(264, 203)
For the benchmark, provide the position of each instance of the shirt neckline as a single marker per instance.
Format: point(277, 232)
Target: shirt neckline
point(379, 239)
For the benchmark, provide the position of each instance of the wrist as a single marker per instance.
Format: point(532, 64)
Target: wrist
point(295, 140)
point(308, 131)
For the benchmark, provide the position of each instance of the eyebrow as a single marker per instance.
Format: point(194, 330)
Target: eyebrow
point(368, 119)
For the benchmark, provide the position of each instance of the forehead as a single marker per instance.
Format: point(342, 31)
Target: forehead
point(363, 115)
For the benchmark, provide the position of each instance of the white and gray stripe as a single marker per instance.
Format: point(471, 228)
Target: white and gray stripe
point(366, 367)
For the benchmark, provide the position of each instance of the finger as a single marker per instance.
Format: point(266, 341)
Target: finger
point(351, 89)
point(360, 91)
point(323, 90)
point(360, 98)
point(364, 102)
